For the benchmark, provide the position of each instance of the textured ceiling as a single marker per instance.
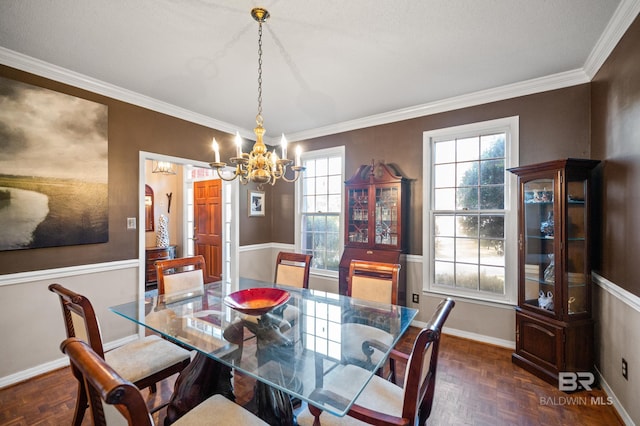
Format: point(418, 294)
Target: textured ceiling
point(325, 61)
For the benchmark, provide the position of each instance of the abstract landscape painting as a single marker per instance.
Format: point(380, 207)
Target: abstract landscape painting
point(53, 168)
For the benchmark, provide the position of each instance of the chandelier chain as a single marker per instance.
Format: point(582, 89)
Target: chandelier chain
point(259, 119)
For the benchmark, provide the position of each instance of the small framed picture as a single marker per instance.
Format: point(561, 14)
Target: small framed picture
point(256, 203)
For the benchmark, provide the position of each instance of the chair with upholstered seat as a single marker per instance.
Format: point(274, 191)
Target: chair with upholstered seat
point(374, 282)
point(181, 277)
point(115, 400)
point(382, 402)
point(292, 269)
point(144, 361)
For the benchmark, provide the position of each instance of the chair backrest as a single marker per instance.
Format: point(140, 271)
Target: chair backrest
point(292, 269)
point(104, 385)
point(184, 275)
point(420, 376)
point(373, 281)
point(79, 317)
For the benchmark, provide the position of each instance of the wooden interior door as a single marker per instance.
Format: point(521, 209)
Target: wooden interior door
point(207, 221)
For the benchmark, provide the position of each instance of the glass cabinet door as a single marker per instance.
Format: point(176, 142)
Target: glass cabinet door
point(387, 205)
point(358, 211)
point(576, 247)
point(539, 248)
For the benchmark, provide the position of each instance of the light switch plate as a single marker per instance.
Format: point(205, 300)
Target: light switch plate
point(131, 223)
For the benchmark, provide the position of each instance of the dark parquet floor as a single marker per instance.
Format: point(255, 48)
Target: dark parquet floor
point(476, 385)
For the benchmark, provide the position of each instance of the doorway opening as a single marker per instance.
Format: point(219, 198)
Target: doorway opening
point(176, 198)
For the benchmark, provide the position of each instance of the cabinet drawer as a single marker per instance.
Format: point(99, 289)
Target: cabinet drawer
point(158, 254)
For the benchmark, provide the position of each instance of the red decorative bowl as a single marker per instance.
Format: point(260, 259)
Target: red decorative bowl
point(256, 301)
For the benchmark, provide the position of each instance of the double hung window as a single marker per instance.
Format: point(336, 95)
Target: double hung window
point(319, 192)
point(471, 214)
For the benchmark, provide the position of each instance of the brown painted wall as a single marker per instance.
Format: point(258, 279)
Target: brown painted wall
point(131, 129)
point(616, 140)
point(553, 125)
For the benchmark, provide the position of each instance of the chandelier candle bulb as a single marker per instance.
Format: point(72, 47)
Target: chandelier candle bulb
point(216, 150)
point(238, 145)
point(298, 152)
point(283, 143)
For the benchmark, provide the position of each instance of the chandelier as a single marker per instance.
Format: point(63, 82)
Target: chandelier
point(260, 165)
point(163, 167)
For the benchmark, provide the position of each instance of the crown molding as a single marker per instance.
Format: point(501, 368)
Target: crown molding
point(619, 23)
point(44, 69)
point(624, 15)
point(528, 87)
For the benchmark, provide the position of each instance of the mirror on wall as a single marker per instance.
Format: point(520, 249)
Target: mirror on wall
point(148, 208)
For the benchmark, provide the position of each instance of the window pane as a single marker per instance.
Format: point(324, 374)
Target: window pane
point(492, 172)
point(333, 224)
point(311, 167)
point(444, 152)
point(492, 279)
point(334, 203)
point(335, 185)
point(322, 166)
point(444, 273)
point(492, 252)
point(492, 197)
point(321, 203)
point(445, 226)
point(466, 250)
point(492, 226)
point(467, 174)
point(445, 199)
point(309, 186)
point(468, 149)
point(467, 226)
point(308, 204)
point(444, 175)
point(467, 276)
point(444, 248)
point(467, 198)
point(335, 166)
point(492, 146)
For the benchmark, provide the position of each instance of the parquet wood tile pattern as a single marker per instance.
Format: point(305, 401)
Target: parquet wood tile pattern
point(477, 385)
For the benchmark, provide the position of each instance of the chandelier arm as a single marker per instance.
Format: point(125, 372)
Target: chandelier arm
point(235, 175)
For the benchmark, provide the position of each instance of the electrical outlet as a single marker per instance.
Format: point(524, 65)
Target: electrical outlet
point(625, 370)
point(416, 298)
point(131, 223)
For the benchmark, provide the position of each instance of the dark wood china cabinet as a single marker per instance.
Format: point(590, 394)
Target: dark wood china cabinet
point(554, 326)
point(376, 206)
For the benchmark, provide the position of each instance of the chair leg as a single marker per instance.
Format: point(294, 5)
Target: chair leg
point(153, 388)
point(316, 412)
point(81, 405)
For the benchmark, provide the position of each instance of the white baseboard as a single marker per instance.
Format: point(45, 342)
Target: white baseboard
point(47, 367)
point(509, 344)
point(616, 403)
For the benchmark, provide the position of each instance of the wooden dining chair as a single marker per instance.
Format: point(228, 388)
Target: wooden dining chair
point(292, 269)
point(144, 362)
point(114, 400)
point(181, 277)
point(382, 402)
point(374, 282)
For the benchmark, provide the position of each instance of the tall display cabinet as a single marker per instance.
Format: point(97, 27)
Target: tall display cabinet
point(554, 326)
point(376, 208)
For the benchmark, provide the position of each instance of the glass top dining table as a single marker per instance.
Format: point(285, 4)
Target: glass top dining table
point(291, 349)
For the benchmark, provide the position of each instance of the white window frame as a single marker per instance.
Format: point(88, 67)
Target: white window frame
point(307, 155)
point(509, 125)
